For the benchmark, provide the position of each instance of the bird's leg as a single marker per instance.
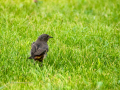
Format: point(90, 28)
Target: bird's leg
point(34, 62)
point(41, 63)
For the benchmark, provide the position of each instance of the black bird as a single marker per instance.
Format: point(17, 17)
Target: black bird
point(39, 48)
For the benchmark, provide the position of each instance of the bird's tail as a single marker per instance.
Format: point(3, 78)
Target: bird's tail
point(30, 57)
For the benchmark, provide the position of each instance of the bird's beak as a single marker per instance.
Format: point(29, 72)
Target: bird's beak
point(50, 37)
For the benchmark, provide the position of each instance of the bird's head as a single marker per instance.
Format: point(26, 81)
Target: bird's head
point(44, 37)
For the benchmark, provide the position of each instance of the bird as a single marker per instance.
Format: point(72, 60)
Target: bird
point(39, 48)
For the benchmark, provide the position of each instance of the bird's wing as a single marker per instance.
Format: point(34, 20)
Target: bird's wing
point(40, 51)
point(32, 44)
point(33, 49)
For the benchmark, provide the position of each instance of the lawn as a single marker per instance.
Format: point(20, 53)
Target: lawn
point(83, 55)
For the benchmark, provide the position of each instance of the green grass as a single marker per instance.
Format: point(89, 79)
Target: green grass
point(83, 55)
